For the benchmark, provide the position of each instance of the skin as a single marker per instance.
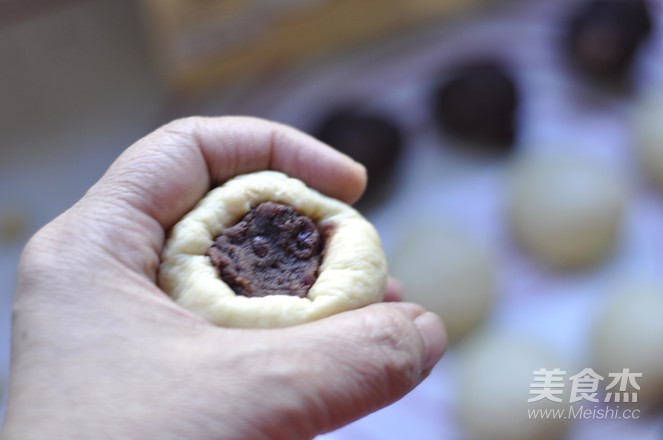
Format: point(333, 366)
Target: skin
point(99, 351)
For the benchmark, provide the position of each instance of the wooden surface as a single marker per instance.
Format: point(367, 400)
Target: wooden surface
point(200, 44)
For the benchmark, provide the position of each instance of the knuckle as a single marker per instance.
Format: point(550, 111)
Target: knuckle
point(35, 265)
point(395, 339)
point(183, 124)
point(39, 245)
point(184, 129)
point(47, 256)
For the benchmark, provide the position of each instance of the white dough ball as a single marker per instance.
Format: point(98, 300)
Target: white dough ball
point(448, 273)
point(566, 212)
point(629, 334)
point(496, 374)
point(649, 134)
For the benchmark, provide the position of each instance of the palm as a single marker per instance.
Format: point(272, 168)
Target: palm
point(99, 348)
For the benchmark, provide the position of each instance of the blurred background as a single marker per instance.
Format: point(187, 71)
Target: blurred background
point(515, 158)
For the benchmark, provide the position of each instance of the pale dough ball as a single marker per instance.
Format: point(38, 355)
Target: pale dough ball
point(566, 212)
point(496, 373)
point(352, 272)
point(629, 334)
point(448, 273)
point(649, 134)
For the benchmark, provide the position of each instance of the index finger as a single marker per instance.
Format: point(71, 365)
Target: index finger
point(167, 172)
point(161, 177)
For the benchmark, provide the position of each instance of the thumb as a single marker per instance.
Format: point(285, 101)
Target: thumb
point(357, 362)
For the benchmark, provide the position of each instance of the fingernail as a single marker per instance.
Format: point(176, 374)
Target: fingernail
point(394, 291)
point(434, 336)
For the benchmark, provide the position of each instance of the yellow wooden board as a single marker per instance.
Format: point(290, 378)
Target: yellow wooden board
point(203, 43)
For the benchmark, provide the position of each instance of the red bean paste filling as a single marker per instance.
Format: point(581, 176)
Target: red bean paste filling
point(273, 250)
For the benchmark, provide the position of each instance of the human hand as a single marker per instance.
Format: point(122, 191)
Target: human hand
point(99, 351)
